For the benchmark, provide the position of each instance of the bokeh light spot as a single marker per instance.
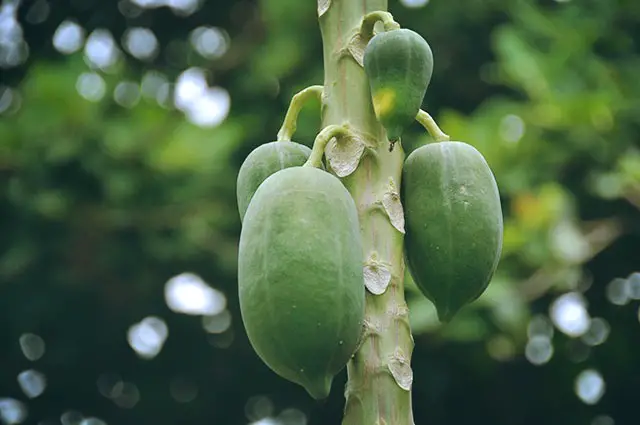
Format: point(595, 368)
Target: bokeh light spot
point(128, 397)
point(292, 416)
point(110, 385)
point(13, 49)
point(603, 420)
point(569, 314)
point(6, 98)
point(151, 83)
point(217, 323)
point(141, 43)
point(91, 86)
point(127, 94)
point(71, 417)
point(590, 386)
point(258, 407)
point(203, 106)
point(32, 383)
point(38, 12)
point(414, 4)
point(147, 337)
point(618, 292)
point(512, 128)
point(92, 421)
point(540, 325)
point(100, 50)
point(210, 42)
point(12, 411)
point(598, 332)
point(187, 293)
point(501, 348)
point(539, 350)
point(32, 346)
point(68, 38)
point(633, 286)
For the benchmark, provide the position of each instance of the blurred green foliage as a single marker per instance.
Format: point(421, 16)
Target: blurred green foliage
point(102, 204)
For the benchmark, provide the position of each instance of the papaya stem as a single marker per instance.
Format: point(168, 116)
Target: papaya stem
point(370, 19)
point(321, 141)
point(431, 126)
point(295, 106)
point(378, 389)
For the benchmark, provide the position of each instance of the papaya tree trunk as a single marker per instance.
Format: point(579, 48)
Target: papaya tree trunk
point(378, 391)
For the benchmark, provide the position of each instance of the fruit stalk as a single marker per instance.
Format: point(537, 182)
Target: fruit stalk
point(320, 143)
point(431, 126)
point(378, 390)
point(295, 106)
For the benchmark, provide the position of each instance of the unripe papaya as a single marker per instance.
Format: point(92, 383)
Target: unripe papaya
point(263, 161)
point(399, 65)
point(300, 276)
point(453, 223)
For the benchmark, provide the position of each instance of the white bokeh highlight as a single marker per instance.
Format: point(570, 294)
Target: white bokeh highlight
point(569, 314)
point(141, 43)
point(32, 383)
point(183, 7)
point(209, 42)
point(203, 105)
point(12, 411)
point(100, 50)
point(148, 337)
point(68, 37)
point(414, 4)
point(187, 293)
point(13, 49)
point(590, 386)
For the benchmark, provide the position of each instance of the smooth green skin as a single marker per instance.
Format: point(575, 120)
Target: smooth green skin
point(454, 224)
point(300, 276)
point(399, 62)
point(262, 162)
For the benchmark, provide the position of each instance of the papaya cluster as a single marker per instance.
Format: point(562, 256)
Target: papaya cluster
point(453, 214)
point(299, 265)
point(300, 260)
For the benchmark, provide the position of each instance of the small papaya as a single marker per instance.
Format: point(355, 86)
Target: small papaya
point(399, 65)
point(453, 223)
point(263, 161)
point(300, 276)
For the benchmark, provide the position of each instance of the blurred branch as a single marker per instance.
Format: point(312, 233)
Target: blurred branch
point(599, 234)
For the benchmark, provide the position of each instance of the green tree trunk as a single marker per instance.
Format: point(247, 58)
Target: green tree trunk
point(379, 387)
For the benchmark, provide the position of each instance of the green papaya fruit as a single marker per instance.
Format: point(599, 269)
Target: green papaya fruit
point(399, 65)
point(453, 223)
point(300, 276)
point(263, 161)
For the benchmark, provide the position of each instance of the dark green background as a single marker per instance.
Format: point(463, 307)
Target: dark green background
point(100, 205)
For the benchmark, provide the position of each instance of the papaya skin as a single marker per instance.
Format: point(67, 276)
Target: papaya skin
point(300, 276)
point(399, 66)
point(454, 224)
point(263, 161)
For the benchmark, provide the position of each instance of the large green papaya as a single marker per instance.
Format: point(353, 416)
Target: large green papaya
point(399, 65)
point(453, 223)
point(263, 161)
point(300, 276)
